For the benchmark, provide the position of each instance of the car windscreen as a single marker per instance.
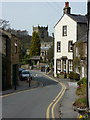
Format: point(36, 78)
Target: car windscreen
point(25, 72)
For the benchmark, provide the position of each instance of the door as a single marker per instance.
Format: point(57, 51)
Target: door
point(14, 74)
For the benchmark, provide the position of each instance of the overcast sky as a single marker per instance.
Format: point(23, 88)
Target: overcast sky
point(24, 15)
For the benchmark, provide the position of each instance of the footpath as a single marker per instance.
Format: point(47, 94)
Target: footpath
point(65, 108)
point(22, 85)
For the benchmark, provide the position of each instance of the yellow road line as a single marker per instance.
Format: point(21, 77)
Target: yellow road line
point(55, 101)
point(53, 107)
point(10, 94)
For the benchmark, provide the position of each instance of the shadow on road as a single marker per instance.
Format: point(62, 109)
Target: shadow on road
point(45, 81)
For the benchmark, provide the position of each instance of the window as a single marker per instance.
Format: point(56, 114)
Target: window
point(70, 46)
point(42, 53)
point(70, 65)
point(64, 65)
point(58, 66)
point(58, 46)
point(64, 30)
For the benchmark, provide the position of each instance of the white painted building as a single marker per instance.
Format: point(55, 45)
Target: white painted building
point(68, 30)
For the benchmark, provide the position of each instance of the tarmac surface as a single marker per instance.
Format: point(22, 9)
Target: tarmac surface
point(64, 108)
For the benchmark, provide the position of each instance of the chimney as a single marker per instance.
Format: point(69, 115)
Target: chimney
point(67, 9)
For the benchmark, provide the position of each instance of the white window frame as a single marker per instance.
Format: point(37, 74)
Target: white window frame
point(65, 30)
point(59, 46)
point(70, 46)
point(70, 65)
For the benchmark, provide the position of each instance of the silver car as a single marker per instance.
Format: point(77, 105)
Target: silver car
point(25, 75)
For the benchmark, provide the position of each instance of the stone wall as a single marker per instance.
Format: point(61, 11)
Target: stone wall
point(81, 30)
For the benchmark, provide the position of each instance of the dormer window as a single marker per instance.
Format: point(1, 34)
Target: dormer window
point(65, 30)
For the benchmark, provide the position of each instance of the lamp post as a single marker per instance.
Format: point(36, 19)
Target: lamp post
point(15, 44)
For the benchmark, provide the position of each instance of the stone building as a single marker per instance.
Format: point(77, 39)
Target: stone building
point(45, 40)
point(68, 30)
point(10, 45)
point(80, 56)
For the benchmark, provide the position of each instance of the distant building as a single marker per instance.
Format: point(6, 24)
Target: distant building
point(10, 45)
point(25, 39)
point(69, 29)
point(45, 40)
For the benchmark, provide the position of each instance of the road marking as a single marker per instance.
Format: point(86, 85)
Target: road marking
point(60, 96)
point(52, 105)
point(10, 94)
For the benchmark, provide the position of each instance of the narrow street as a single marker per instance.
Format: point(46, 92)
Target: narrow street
point(32, 103)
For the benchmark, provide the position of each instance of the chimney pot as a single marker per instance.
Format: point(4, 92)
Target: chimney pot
point(66, 4)
point(67, 9)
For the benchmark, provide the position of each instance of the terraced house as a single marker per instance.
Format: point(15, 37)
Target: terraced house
point(10, 45)
point(69, 29)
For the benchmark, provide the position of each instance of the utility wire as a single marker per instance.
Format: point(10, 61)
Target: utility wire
point(55, 3)
point(54, 8)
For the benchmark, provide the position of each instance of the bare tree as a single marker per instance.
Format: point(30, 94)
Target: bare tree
point(4, 24)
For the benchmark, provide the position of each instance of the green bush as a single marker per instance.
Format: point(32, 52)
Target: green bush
point(57, 75)
point(82, 81)
point(71, 74)
point(76, 76)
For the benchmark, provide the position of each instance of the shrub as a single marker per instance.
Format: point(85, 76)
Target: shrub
point(82, 81)
point(76, 76)
point(57, 75)
point(81, 102)
point(71, 74)
point(81, 90)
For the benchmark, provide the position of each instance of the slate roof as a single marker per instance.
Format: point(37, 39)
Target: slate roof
point(78, 18)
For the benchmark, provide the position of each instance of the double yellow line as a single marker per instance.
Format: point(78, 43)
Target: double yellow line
point(50, 110)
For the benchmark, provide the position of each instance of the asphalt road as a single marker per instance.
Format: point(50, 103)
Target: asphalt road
point(33, 103)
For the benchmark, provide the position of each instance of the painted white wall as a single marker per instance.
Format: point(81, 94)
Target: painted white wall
point(71, 35)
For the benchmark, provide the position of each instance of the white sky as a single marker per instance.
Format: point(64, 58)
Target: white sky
point(23, 15)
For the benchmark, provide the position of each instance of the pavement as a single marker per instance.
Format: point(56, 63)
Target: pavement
point(23, 85)
point(65, 106)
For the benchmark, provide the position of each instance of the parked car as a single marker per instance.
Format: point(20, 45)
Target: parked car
point(20, 70)
point(25, 75)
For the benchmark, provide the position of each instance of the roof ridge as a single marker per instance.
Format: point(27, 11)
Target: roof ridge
point(78, 15)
